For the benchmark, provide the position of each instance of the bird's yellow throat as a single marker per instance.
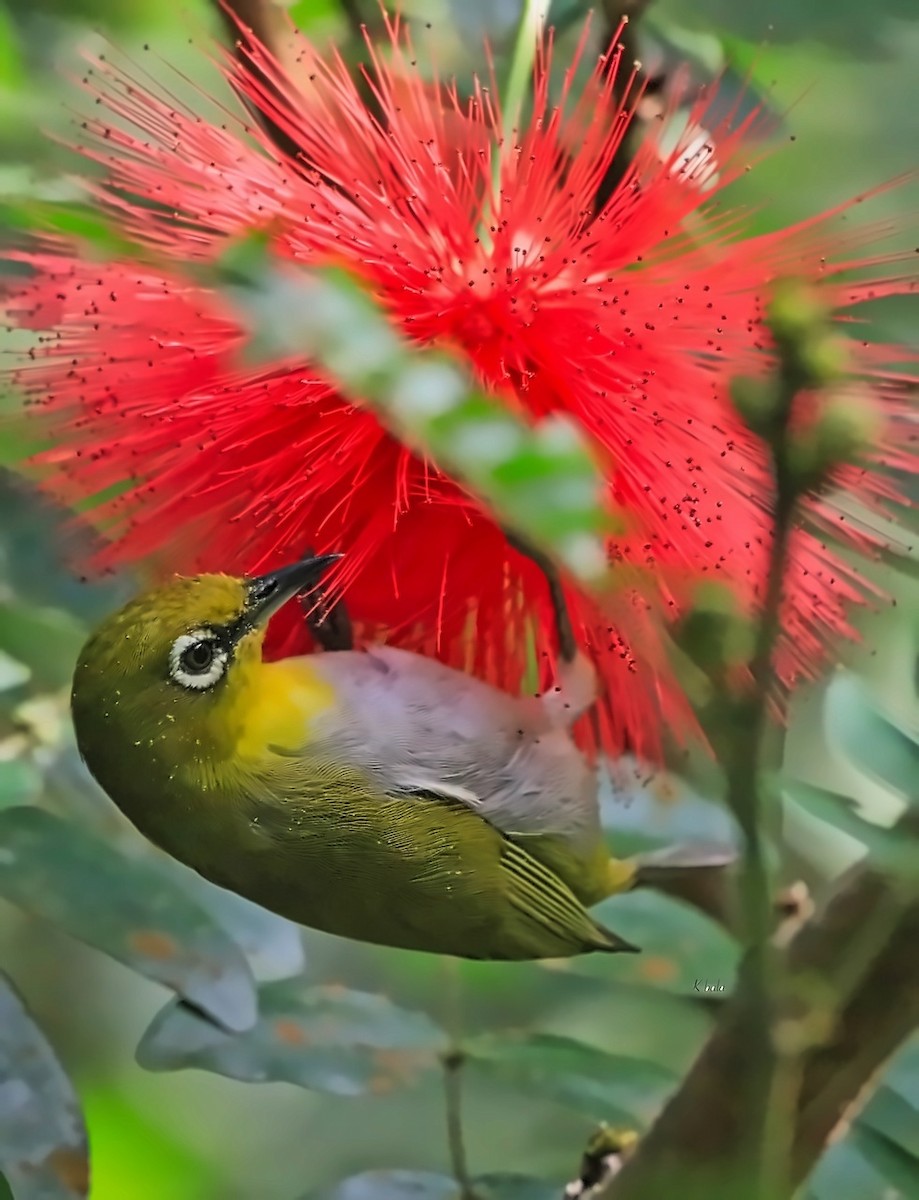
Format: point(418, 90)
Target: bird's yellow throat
point(273, 704)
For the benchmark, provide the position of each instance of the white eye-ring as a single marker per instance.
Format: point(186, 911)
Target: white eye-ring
point(197, 660)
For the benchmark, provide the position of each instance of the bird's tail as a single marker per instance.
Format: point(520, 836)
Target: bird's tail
point(609, 942)
point(692, 856)
point(696, 873)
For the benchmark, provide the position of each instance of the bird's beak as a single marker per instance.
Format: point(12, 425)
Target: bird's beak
point(267, 593)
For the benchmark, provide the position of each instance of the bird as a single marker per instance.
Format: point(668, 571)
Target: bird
point(372, 793)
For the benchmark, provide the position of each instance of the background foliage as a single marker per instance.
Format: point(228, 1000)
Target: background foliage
point(104, 938)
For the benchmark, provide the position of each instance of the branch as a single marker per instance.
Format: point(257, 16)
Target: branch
point(815, 1014)
point(699, 1141)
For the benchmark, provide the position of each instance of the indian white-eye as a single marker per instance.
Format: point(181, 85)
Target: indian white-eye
point(375, 793)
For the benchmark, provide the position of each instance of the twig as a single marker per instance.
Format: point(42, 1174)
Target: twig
point(453, 1060)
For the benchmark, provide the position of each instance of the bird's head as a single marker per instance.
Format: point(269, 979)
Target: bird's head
point(170, 664)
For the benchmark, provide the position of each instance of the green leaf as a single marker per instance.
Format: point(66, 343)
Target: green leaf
point(607, 1087)
point(125, 908)
point(867, 739)
point(682, 950)
point(425, 1185)
point(5, 1192)
point(43, 1145)
point(889, 845)
point(329, 1039)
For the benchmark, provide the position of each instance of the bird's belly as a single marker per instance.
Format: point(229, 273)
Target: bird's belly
point(406, 872)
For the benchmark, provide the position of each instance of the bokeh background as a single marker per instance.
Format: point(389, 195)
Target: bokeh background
point(844, 80)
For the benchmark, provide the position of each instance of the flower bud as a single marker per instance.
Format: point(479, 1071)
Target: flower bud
point(795, 312)
point(847, 425)
point(812, 356)
point(821, 359)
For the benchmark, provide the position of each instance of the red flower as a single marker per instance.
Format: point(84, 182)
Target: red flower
point(619, 318)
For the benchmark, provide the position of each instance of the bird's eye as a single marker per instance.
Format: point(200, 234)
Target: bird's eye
point(198, 657)
point(197, 660)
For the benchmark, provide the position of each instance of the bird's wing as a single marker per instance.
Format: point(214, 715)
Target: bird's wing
point(416, 725)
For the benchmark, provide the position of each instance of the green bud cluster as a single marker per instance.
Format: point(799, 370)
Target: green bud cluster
point(812, 358)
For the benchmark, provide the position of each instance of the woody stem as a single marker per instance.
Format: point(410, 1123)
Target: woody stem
point(567, 643)
point(453, 1060)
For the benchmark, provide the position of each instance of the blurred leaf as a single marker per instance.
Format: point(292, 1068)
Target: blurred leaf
point(541, 478)
point(45, 639)
point(82, 222)
point(125, 908)
point(307, 13)
point(887, 1157)
point(43, 1146)
point(864, 1166)
point(124, 1136)
point(501, 1186)
point(390, 1185)
point(858, 731)
point(892, 848)
point(562, 13)
point(645, 806)
point(39, 540)
point(12, 672)
point(121, 13)
point(682, 950)
point(848, 23)
point(889, 1114)
point(424, 1185)
point(328, 1039)
point(602, 1085)
point(5, 1193)
point(272, 944)
point(12, 75)
point(20, 782)
point(893, 1110)
point(903, 1076)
